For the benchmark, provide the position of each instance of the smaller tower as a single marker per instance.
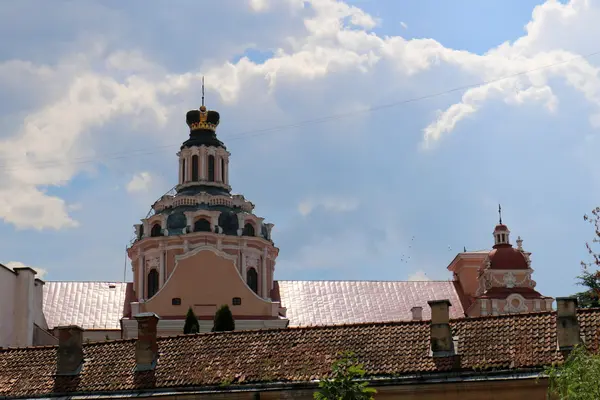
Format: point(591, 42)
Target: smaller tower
point(504, 279)
point(501, 232)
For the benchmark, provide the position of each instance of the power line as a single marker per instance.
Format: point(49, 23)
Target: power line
point(264, 131)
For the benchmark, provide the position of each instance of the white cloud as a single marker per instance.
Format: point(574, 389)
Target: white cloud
point(140, 182)
point(418, 276)
point(333, 204)
point(336, 39)
point(259, 5)
point(41, 272)
point(48, 147)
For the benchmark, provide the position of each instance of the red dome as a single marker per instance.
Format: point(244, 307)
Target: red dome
point(505, 257)
point(501, 228)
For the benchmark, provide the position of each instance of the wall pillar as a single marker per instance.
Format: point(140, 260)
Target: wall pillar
point(180, 170)
point(162, 269)
point(203, 164)
point(263, 271)
point(219, 173)
point(141, 267)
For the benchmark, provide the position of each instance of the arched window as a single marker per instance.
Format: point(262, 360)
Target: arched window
point(211, 168)
point(183, 171)
point(152, 283)
point(248, 230)
point(223, 170)
point(195, 168)
point(202, 225)
point(156, 230)
point(252, 279)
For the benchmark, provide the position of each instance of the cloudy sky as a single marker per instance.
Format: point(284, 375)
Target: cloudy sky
point(361, 129)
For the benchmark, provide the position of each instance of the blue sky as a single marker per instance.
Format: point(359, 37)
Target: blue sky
point(93, 97)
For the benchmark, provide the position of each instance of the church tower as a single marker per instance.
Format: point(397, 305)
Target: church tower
point(202, 247)
point(498, 281)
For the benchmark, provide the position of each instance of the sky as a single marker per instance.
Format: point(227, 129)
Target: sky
point(378, 136)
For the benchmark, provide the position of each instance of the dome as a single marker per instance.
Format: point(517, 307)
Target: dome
point(506, 257)
point(501, 228)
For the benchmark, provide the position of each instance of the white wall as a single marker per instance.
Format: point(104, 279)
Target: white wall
point(24, 307)
point(38, 298)
point(21, 308)
point(7, 288)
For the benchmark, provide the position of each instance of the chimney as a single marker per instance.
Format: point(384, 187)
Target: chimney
point(417, 313)
point(70, 350)
point(567, 325)
point(442, 344)
point(146, 348)
point(24, 306)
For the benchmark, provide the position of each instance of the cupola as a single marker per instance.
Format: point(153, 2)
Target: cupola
point(503, 255)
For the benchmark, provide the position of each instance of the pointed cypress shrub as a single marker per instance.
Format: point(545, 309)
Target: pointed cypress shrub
point(191, 323)
point(223, 320)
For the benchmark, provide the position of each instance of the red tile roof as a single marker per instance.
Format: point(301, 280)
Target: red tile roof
point(394, 349)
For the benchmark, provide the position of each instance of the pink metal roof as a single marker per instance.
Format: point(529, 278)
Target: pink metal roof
point(91, 305)
point(342, 302)
point(101, 305)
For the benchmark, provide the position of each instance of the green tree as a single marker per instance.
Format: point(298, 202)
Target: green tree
point(223, 320)
point(344, 383)
point(590, 276)
point(191, 323)
point(578, 378)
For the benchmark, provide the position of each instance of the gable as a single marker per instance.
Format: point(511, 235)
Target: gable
point(206, 279)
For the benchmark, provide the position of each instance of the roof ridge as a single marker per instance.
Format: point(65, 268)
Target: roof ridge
point(307, 328)
point(361, 280)
point(505, 316)
point(103, 281)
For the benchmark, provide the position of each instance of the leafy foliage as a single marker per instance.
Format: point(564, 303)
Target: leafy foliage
point(223, 320)
point(191, 323)
point(590, 277)
point(578, 378)
point(344, 383)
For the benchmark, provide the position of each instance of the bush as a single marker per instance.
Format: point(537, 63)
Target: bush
point(223, 320)
point(191, 323)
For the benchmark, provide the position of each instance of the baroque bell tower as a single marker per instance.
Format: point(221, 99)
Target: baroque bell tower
point(201, 246)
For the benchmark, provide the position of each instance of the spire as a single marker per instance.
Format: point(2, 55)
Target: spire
point(202, 91)
point(499, 209)
point(501, 232)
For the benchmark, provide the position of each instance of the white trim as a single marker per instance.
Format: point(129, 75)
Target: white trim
point(198, 249)
point(509, 308)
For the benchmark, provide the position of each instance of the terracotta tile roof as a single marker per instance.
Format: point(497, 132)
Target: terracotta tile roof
point(91, 305)
point(512, 342)
point(346, 302)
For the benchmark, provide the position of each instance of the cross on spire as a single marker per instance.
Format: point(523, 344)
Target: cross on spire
point(203, 90)
point(500, 213)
